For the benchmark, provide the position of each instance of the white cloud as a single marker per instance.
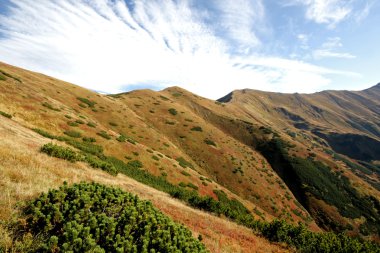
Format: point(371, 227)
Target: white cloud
point(363, 12)
point(108, 46)
point(329, 50)
point(329, 12)
point(239, 19)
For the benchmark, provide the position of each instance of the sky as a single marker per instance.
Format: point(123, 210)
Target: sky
point(209, 47)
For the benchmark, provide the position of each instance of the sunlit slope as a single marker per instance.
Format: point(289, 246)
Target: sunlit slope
point(269, 151)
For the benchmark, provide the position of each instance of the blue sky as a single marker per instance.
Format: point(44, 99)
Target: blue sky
point(209, 47)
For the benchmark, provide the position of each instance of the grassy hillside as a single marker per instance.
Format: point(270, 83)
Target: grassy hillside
point(219, 157)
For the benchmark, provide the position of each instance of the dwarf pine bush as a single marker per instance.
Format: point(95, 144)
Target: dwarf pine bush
point(96, 218)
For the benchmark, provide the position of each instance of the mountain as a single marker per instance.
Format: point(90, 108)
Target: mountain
point(298, 157)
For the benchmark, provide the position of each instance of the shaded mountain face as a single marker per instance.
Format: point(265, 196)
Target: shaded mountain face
point(280, 155)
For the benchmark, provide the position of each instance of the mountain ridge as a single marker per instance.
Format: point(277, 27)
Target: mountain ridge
point(244, 147)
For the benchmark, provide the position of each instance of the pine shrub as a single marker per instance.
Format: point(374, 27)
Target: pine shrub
point(96, 218)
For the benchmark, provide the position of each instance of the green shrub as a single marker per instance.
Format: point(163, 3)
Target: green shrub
point(60, 152)
point(183, 163)
point(113, 124)
point(73, 134)
point(173, 111)
point(91, 124)
point(95, 162)
point(121, 138)
point(185, 173)
point(72, 123)
point(89, 139)
point(79, 121)
point(164, 98)
point(49, 106)
point(135, 164)
point(96, 218)
point(155, 158)
point(193, 186)
point(209, 142)
point(87, 101)
point(44, 133)
point(86, 147)
point(197, 129)
point(104, 134)
point(132, 141)
point(5, 115)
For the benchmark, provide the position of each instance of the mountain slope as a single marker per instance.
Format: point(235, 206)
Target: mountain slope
point(326, 124)
point(261, 153)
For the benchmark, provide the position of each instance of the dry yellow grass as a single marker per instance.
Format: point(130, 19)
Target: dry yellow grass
point(25, 173)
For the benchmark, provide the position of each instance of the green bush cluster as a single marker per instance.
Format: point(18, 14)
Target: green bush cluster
point(173, 111)
point(4, 114)
point(306, 241)
point(277, 231)
point(60, 152)
point(91, 124)
point(316, 178)
point(73, 133)
point(49, 106)
point(197, 129)
point(87, 101)
point(183, 163)
point(104, 134)
point(209, 142)
point(121, 138)
point(96, 218)
point(89, 139)
point(72, 123)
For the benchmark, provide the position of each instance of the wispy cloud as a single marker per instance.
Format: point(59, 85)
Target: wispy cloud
point(329, 12)
point(329, 50)
point(114, 45)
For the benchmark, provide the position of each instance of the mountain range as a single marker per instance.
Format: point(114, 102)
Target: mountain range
point(303, 158)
